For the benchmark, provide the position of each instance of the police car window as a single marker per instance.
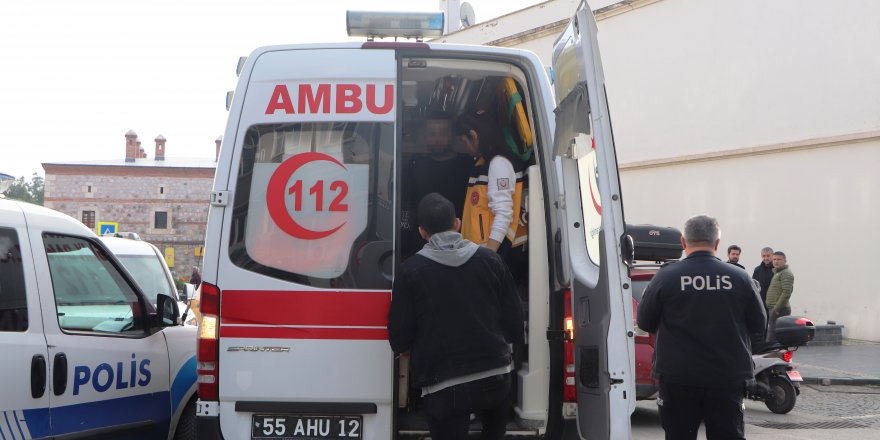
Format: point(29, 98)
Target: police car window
point(90, 293)
point(314, 203)
point(149, 273)
point(13, 297)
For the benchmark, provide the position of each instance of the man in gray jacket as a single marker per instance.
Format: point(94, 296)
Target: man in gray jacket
point(455, 308)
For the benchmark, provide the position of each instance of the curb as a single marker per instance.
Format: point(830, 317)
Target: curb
point(841, 381)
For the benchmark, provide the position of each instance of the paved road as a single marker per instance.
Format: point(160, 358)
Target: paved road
point(853, 361)
point(821, 413)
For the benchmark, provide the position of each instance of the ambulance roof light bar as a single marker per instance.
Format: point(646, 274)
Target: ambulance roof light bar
point(372, 24)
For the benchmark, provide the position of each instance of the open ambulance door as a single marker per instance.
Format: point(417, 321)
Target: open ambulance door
point(591, 236)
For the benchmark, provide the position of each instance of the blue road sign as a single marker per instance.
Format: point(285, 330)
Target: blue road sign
point(108, 228)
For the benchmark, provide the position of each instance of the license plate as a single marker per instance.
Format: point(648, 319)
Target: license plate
point(795, 376)
point(306, 427)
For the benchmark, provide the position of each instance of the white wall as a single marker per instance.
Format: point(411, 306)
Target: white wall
point(689, 77)
point(819, 206)
point(514, 23)
point(692, 76)
point(782, 96)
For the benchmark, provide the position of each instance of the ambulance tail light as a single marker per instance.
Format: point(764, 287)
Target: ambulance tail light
point(569, 389)
point(208, 347)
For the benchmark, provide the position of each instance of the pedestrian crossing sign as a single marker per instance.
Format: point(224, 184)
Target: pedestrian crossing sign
point(108, 228)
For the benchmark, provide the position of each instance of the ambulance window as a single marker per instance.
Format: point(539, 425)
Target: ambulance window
point(13, 296)
point(91, 295)
point(314, 204)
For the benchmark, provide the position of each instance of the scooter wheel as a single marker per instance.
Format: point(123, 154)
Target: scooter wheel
point(783, 395)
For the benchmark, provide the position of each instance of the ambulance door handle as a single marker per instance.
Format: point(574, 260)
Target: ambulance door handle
point(628, 250)
point(59, 374)
point(38, 376)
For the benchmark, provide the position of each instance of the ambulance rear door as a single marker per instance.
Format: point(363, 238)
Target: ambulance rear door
point(590, 206)
point(306, 254)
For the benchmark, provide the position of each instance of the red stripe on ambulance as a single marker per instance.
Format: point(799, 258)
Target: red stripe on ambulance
point(306, 308)
point(252, 332)
point(316, 98)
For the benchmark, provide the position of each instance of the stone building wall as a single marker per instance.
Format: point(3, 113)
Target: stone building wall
point(131, 195)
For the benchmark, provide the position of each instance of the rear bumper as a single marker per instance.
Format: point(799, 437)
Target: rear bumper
point(208, 428)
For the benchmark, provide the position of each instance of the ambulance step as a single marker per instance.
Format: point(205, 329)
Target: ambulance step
point(511, 434)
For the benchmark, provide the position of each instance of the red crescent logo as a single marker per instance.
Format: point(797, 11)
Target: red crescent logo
point(275, 196)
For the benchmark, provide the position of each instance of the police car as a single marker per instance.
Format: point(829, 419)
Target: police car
point(148, 268)
point(85, 352)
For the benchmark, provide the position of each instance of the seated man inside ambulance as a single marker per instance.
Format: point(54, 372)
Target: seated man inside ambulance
point(440, 169)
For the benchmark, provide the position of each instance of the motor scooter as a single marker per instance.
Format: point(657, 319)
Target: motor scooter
point(777, 382)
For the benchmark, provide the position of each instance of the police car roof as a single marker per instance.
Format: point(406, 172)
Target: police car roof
point(125, 246)
point(41, 218)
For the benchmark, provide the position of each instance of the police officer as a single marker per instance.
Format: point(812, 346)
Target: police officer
point(705, 313)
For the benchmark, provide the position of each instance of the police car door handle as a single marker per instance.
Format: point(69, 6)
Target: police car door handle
point(38, 376)
point(59, 374)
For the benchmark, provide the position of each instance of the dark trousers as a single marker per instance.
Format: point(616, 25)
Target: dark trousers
point(449, 409)
point(684, 407)
point(771, 322)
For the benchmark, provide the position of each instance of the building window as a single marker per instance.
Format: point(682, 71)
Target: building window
point(88, 219)
point(160, 220)
point(161, 190)
point(89, 189)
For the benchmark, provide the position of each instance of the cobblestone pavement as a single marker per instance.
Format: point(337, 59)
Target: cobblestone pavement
point(822, 412)
point(853, 406)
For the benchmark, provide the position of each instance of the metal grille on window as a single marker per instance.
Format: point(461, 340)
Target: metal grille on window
point(161, 220)
point(88, 218)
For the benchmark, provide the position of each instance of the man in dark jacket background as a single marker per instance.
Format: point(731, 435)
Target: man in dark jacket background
point(706, 315)
point(733, 253)
point(455, 308)
point(764, 272)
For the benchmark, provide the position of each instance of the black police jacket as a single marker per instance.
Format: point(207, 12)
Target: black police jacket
point(705, 313)
point(454, 321)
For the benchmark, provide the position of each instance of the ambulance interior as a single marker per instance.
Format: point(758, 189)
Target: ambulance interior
point(434, 93)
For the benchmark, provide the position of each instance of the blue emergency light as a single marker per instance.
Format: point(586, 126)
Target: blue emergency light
point(416, 25)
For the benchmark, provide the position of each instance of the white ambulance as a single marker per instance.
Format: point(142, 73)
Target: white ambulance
point(311, 213)
point(84, 353)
